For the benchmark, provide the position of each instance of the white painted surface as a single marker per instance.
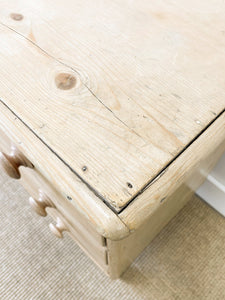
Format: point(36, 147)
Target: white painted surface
point(213, 190)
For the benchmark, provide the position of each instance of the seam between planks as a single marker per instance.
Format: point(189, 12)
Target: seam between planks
point(55, 153)
point(148, 184)
point(96, 193)
point(163, 171)
point(75, 71)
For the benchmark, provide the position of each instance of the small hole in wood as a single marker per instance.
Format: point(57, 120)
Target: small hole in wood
point(129, 185)
point(65, 81)
point(162, 200)
point(16, 17)
point(84, 168)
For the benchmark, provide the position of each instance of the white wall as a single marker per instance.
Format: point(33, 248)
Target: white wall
point(213, 189)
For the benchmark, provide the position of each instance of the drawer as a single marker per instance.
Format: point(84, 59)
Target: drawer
point(46, 200)
point(62, 212)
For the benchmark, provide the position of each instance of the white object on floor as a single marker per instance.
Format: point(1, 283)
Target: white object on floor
point(213, 189)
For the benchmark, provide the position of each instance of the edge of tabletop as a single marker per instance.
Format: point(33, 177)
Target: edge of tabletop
point(179, 172)
point(58, 175)
point(106, 222)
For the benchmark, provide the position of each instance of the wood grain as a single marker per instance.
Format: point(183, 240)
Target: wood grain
point(125, 86)
point(190, 168)
point(101, 97)
point(72, 197)
point(161, 208)
point(122, 253)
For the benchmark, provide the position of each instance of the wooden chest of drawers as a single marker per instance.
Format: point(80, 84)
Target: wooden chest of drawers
point(111, 115)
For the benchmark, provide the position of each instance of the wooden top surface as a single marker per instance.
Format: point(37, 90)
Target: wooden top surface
point(116, 89)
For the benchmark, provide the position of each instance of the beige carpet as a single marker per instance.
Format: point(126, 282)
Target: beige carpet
point(185, 261)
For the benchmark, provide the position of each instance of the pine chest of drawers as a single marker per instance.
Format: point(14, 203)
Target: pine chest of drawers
point(111, 114)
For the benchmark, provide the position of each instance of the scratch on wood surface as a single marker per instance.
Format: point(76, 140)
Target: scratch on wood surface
point(167, 166)
point(32, 40)
point(31, 36)
point(100, 101)
point(160, 171)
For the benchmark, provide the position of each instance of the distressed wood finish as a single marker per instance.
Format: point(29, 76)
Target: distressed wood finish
point(122, 253)
point(108, 77)
point(112, 113)
point(159, 211)
point(204, 151)
point(75, 195)
point(46, 200)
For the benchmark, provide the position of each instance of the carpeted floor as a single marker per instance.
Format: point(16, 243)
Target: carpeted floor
point(185, 261)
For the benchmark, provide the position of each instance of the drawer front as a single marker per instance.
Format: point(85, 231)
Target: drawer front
point(90, 241)
point(46, 200)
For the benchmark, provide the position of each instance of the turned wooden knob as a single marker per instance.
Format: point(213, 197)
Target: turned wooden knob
point(11, 162)
point(58, 229)
point(39, 205)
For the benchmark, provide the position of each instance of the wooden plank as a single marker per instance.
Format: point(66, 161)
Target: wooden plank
point(190, 168)
point(122, 253)
point(55, 173)
point(149, 77)
point(76, 224)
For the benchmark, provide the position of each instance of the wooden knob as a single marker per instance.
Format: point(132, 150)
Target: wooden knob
point(11, 162)
point(58, 229)
point(39, 205)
